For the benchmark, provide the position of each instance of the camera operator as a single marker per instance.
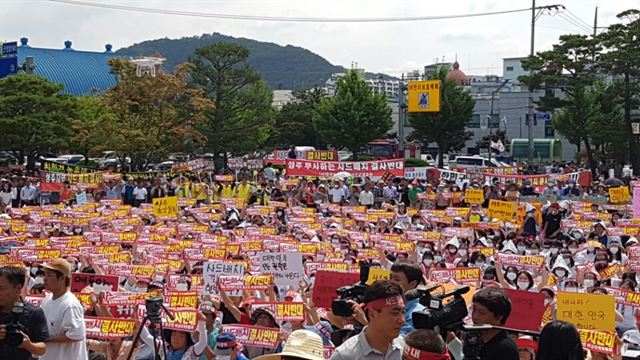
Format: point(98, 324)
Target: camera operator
point(491, 306)
point(408, 276)
point(35, 333)
point(384, 309)
point(425, 344)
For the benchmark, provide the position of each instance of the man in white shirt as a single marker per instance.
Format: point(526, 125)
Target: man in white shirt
point(29, 193)
point(139, 194)
point(337, 194)
point(366, 196)
point(64, 313)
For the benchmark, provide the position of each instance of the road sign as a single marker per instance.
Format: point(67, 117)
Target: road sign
point(424, 96)
point(8, 58)
point(543, 117)
point(635, 128)
point(9, 49)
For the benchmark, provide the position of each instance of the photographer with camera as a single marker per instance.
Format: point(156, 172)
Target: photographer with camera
point(65, 314)
point(384, 310)
point(491, 306)
point(408, 276)
point(23, 327)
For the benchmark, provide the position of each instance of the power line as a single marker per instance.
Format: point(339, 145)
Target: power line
point(280, 19)
point(573, 22)
point(575, 17)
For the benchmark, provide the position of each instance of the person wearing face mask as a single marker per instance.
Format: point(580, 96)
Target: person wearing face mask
point(527, 189)
point(478, 260)
point(600, 230)
point(451, 249)
point(534, 249)
point(560, 270)
point(571, 285)
point(522, 247)
point(590, 280)
point(617, 251)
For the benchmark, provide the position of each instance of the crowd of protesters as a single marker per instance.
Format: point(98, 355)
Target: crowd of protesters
point(410, 227)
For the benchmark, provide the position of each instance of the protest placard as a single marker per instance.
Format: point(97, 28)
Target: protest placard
point(587, 311)
point(99, 283)
point(474, 196)
point(183, 319)
point(165, 207)
point(376, 274)
point(619, 195)
point(527, 309)
point(599, 341)
point(532, 262)
point(286, 268)
point(181, 299)
point(254, 335)
point(326, 283)
point(461, 275)
point(636, 202)
point(108, 328)
point(213, 269)
point(283, 311)
point(246, 282)
point(503, 210)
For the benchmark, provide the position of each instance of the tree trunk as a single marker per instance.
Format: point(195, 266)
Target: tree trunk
point(592, 164)
point(633, 154)
point(440, 157)
point(354, 157)
point(31, 160)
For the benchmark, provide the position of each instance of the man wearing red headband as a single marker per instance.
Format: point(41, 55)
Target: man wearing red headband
point(425, 344)
point(384, 309)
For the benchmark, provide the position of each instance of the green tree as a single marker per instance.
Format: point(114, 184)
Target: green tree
point(621, 60)
point(91, 111)
point(609, 133)
point(294, 122)
point(149, 116)
point(354, 116)
point(242, 117)
point(447, 127)
point(34, 116)
point(570, 68)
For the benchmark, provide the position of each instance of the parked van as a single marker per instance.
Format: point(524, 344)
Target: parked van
point(462, 162)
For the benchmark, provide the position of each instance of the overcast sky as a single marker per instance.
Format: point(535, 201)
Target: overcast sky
point(480, 43)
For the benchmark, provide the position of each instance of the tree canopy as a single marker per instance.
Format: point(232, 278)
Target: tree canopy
point(354, 116)
point(34, 117)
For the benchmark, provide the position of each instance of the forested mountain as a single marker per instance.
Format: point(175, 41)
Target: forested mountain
point(283, 67)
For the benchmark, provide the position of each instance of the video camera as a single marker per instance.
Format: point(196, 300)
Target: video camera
point(472, 338)
point(355, 292)
point(154, 306)
point(439, 315)
point(14, 329)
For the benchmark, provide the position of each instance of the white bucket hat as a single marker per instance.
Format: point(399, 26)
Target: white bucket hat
point(302, 344)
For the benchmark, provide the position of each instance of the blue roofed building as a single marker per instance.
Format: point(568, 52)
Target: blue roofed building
point(81, 72)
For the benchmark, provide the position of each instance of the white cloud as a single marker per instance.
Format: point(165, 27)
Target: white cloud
point(395, 47)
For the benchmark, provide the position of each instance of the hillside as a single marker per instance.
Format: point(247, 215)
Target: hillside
point(283, 67)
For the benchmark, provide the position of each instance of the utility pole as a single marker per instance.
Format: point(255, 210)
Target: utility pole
point(402, 108)
point(530, 112)
point(595, 23)
point(535, 13)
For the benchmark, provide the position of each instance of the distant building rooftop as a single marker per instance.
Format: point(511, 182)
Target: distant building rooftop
point(81, 72)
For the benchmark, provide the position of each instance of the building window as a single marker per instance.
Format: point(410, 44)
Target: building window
point(509, 68)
